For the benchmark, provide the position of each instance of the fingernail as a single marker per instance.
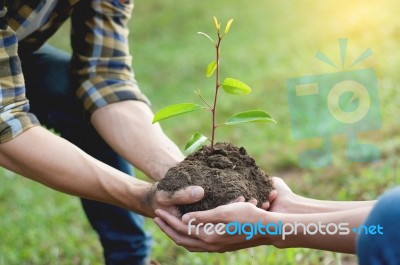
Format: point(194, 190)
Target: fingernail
point(185, 218)
point(157, 212)
point(197, 193)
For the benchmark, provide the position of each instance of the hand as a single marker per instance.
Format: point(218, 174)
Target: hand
point(284, 200)
point(164, 200)
point(156, 199)
point(198, 240)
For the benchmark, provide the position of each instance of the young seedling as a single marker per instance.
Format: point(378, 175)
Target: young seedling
point(229, 85)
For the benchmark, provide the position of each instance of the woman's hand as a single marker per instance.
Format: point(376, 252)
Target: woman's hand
point(284, 200)
point(288, 202)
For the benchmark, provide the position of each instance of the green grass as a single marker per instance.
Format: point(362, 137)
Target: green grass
point(269, 42)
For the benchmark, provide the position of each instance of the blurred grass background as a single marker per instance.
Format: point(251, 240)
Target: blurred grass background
point(269, 42)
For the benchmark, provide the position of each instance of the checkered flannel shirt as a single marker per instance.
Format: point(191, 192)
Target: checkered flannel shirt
point(100, 59)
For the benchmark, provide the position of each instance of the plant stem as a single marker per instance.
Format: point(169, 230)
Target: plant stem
point(217, 85)
point(205, 102)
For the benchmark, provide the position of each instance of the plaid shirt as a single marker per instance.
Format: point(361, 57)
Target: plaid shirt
point(100, 59)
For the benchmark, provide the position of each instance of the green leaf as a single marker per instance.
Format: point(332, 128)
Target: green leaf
point(236, 87)
point(216, 24)
point(228, 25)
point(195, 142)
point(250, 116)
point(174, 110)
point(211, 68)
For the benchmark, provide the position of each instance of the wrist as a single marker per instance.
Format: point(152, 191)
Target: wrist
point(280, 240)
point(299, 204)
point(161, 167)
point(140, 198)
point(289, 203)
point(271, 237)
point(308, 205)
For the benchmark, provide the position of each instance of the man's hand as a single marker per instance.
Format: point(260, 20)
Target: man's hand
point(199, 241)
point(238, 210)
point(156, 199)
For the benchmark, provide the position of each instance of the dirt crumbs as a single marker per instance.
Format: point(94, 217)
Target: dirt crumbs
point(225, 174)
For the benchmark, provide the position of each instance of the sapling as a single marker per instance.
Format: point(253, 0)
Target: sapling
point(229, 85)
point(223, 170)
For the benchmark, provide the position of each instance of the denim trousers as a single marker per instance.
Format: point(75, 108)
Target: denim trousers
point(50, 90)
point(382, 249)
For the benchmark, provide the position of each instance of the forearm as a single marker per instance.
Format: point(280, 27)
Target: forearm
point(127, 127)
point(49, 159)
point(336, 242)
point(307, 205)
point(289, 202)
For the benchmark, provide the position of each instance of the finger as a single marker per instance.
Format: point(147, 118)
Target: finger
point(265, 205)
point(172, 221)
point(216, 215)
point(180, 240)
point(276, 179)
point(174, 211)
point(272, 196)
point(191, 249)
point(279, 184)
point(253, 201)
point(239, 199)
point(188, 195)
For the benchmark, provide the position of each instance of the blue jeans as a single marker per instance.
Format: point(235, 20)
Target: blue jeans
point(382, 249)
point(52, 98)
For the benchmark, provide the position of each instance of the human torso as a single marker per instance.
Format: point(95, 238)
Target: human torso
point(35, 21)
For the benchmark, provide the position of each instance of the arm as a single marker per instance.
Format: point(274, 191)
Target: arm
point(344, 243)
point(286, 206)
point(54, 162)
point(108, 91)
point(37, 154)
point(136, 138)
point(289, 202)
point(42, 156)
point(243, 212)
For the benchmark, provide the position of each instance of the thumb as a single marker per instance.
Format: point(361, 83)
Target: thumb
point(187, 195)
point(280, 185)
point(216, 215)
point(209, 216)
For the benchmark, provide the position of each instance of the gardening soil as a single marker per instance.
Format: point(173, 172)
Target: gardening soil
point(225, 174)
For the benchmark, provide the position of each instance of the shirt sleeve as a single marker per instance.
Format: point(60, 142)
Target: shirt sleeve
point(101, 60)
point(14, 106)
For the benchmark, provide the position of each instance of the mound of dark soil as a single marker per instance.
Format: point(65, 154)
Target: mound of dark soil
point(225, 174)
